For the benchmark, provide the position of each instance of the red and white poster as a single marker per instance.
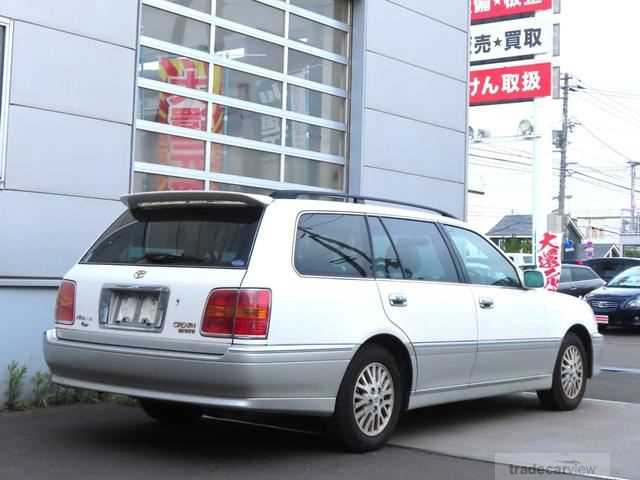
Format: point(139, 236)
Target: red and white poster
point(549, 260)
point(485, 9)
point(182, 112)
point(510, 84)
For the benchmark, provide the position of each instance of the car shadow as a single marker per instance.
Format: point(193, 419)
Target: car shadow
point(207, 439)
point(462, 415)
point(231, 437)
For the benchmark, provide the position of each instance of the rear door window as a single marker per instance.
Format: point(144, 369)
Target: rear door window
point(219, 237)
point(333, 245)
point(484, 264)
point(385, 257)
point(422, 251)
point(582, 274)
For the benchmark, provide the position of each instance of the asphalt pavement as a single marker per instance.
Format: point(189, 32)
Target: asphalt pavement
point(107, 441)
point(620, 379)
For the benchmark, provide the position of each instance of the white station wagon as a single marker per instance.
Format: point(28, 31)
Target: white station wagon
point(299, 304)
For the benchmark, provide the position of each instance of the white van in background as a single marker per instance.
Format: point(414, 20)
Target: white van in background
point(521, 259)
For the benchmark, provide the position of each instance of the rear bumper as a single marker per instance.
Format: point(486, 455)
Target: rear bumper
point(249, 378)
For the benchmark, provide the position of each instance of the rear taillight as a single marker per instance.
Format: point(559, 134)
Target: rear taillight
point(66, 303)
point(237, 313)
point(220, 312)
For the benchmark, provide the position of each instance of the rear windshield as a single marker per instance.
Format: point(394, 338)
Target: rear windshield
point(195, 237)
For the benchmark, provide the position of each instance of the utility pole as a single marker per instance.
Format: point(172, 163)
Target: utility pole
point(634, 218)
point(564, 141)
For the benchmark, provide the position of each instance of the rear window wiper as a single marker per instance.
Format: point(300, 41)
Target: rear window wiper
point(169, 258)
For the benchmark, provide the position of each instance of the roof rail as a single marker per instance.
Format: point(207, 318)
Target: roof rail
point(293, 194)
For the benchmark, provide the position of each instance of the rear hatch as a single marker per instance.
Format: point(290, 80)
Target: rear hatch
point(146, 281)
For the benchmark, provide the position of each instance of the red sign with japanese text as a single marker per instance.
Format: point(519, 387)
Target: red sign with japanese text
point(510, 84)
point(549, 261)
point(182, 112)
point(484, 9)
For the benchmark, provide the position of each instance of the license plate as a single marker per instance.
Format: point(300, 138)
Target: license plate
point(135, 310)
point(602, 319)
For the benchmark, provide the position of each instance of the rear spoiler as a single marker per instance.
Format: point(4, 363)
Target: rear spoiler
point(188, 197)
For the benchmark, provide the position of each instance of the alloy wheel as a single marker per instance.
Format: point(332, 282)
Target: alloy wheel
point(572, 372)
point(373, 399)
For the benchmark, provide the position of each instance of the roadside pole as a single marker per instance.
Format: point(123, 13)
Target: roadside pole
point(562, 193)
point(542, 169)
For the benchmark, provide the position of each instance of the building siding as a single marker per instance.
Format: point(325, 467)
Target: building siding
point(71, 116)
point(410, 127)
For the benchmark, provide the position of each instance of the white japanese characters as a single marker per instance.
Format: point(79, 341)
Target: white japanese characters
point(487, 6)
point(510, 46)
point(509, 84)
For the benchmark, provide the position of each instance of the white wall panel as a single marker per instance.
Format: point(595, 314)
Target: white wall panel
point(113, 21)
point(43, 235)
point(414, 147)
point(417, 39)
point(408, 91)
point(453, 12)
point(414, 189)
point(67, 73)
point(70, 155)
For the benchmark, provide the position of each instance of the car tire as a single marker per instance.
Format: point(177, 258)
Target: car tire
point(173, 413)
point(569, 377)
point(369, 401)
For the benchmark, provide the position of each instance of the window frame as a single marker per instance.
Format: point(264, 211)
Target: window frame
point(462, 279)
point(5, 89)
point(372, 278)
point(211, 98)
point(458, 258)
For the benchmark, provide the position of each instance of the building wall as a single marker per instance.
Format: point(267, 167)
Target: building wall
point(409, 120)
point(70, 127)
point(26, 314)
point(67, 153)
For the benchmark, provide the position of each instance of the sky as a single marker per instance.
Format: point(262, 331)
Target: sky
point(598, 41)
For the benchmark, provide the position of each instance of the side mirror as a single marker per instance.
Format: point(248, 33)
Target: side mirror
point(533, 279)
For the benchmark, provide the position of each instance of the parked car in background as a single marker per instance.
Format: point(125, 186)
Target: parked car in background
point(607, 268)
point(578, 280)
point(618, 302)
point(348, 310)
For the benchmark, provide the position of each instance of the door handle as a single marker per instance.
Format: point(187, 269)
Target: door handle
point(398, 300)
point(486, 303)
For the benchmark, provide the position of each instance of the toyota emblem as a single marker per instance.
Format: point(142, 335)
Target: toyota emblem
point(139, 274)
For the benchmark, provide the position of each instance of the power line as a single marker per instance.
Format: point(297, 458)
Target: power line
point(575, 172)
point(496, 159)
point(503, 152)
point(602, 172)
point(617, 113)
point(571, 172)
point(621, 106)
point(605, 143)
point(615, 93)
point(501, 167)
